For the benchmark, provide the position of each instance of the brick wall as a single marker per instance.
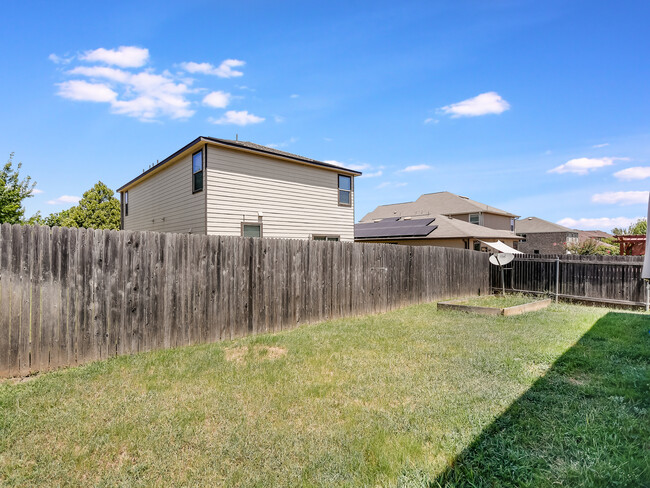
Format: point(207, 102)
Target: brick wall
point(544, 243)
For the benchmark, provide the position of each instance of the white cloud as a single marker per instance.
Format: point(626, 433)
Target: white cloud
point(146, 95)
point(376, 174)
point(59, 59)
point(604, 144)
point(635, 173)
point(294, 95)
point(217, 99)
point(352, 166)
point(37, 191)
point(123, 56)
point(415, 167)
point(112, 74)
point(237, 118)
point(86, 92)
point(483, 104)
point(64, 199)
point(388, 184)
point(582, 166)
point(621, 197)
point(601, 223)
point(224, 70)
point(431, 120)
point(280, 145)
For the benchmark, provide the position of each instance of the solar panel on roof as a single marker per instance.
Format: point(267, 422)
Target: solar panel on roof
point(393, 227)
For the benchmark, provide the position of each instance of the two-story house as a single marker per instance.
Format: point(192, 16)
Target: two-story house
point(237, 188)
point(540, 236)
point(438, 219)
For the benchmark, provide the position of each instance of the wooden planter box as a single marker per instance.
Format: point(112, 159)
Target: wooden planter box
point(516, 310)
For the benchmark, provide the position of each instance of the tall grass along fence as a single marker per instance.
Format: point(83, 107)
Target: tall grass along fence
point(612, 280)
point(70, 296)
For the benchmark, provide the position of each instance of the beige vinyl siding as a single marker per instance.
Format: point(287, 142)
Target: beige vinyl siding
point(296, 200)
point(494, 221)
point(164, 202)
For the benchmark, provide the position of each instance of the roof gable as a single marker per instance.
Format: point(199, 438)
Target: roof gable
point(440, 203)
point(238, 145)
point(532, 225)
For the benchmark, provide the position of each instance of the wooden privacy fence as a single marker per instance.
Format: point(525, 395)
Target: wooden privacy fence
point(70, 296)
point(599, 279)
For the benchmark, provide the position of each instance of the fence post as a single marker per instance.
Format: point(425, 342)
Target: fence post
point(557, 278)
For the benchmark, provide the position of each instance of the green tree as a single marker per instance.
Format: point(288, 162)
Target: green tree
point(36, 219)
point(59, 219)
point(13, 191)
point(637, 228)
point(98, 209)
point(591, 247)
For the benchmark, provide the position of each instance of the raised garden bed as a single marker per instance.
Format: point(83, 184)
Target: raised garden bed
point(496, 305)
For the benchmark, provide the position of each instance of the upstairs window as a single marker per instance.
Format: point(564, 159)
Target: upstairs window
point(475, 219)
point(197, 171)
point(126, 203)
point(345, 190)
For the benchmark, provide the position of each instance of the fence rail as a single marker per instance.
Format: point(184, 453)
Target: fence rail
point(70, 296)
point(600, 279)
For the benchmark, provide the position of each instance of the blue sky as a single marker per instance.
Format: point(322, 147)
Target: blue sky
point(539, 108)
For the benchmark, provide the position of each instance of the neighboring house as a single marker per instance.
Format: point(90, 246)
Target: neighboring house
point(540, 236)
point(596, 235)
point(434, 230)
point(225, 187)
point(448, 204)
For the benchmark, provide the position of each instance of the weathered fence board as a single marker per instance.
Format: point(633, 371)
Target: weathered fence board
point(70, 296)
point(606, 279)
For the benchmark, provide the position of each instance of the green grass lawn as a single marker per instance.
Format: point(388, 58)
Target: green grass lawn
point(498, 301)
point(411, 398)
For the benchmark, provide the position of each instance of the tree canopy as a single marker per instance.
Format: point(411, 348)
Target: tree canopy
point(13, 191)
point(591, 247)
point(637, 228)
point(98, 209)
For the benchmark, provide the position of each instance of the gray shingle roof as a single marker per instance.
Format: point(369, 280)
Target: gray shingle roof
point(440, 203)
point(532, 225)
point(259, 147)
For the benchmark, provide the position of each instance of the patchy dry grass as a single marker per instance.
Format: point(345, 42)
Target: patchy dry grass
point(415, 397)
point(242, 354)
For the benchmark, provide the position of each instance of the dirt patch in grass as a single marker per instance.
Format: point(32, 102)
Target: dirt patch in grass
point(578, 381)
point(498, 301)
point(258, 352)
point(20, 379)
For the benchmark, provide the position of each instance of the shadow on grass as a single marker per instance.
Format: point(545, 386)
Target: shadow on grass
point(585, 423)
